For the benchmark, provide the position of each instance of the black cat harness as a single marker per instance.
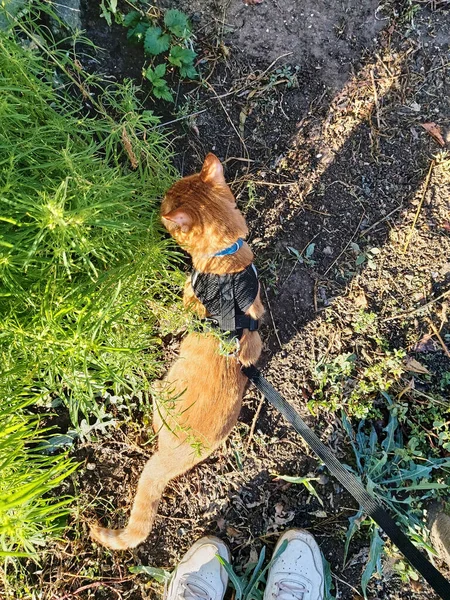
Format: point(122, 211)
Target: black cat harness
point(228, 297)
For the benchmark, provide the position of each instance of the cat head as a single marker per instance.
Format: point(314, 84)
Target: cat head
point(200, 211)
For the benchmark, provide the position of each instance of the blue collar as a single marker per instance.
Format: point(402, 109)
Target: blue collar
point(231, 249)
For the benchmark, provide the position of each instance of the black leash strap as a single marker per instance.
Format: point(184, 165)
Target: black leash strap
point(437, 581)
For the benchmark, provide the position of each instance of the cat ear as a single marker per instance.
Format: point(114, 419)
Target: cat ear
point(212, 170)
point(180, 218)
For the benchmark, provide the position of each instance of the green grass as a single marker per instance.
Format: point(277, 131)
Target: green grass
point(85, 275)
point(81, 256)
point(27, 517)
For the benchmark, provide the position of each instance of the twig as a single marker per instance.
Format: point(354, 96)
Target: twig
point(271, 317)
point(345, 583)
point(381, 220)
point(375, 96)
point(229, 119)
point(90, 585)
point(255, 419)
point(288, 184)
point(346, 246)
point(438, 335)
point(194, 114)
point(416, 310)
point(427, 181)
point(240, 158)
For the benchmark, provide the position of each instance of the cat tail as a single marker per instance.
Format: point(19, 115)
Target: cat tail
point(158, 471)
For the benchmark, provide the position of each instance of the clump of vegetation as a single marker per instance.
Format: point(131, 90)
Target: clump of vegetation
point(398, 479)
point(81, 252)
point(168, 43)
point(345, 381)
point(27, 516)
point(84, 270)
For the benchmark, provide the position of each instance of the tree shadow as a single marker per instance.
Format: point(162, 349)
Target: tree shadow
point(347, 181)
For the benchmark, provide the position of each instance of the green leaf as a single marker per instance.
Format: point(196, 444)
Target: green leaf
point(235, 580)
point(175, 56)
point(159, 575)
point(156, 41)
point(374, 562)
point(328, 582)
point(105, 13)
point(131, 19)
point(163, 93)
point(177, 22)
point(150, 75)
point(295, 252)
point(256, 571)
point(160, 70)
point(360, 259)
point(310, 250)
point(188, 72)
point(138, 32)
point(306, 481)
point(355, 523)
point(182, 55)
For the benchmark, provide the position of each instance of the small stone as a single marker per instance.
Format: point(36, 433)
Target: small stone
point(328, 251)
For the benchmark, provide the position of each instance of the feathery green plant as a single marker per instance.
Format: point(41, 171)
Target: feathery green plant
point(84, 270)
point(27, 517)
point(81, 256)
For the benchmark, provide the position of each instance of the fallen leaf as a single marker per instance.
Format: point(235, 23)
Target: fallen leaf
point(435, 132)
point(282, 517)
point(232, 532)
point(358, 558)
point(426, 344)
point(253, 558)
point(407, 388)
point(221, 523)
point(361, 301)
point(242, 118)
point(252, 2)
point(446, 226)
point(414, 366)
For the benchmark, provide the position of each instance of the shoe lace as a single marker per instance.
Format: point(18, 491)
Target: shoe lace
point(290, 590)
point(192, 590)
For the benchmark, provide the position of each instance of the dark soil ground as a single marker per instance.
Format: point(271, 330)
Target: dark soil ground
point(317, 109)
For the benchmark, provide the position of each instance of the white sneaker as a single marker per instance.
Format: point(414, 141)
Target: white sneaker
point(199, 575)
point(297, 574)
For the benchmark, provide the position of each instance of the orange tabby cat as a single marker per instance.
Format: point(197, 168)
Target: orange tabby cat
point(200, 212)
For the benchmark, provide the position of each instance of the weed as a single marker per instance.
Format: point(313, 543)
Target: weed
point(27, 515)
point(345, 382)
point(108, 10)
point(252, 197)
point(286, 74)
point(247, 584)
point(169, 38)
point(81, 261)
point(306, 481)
point(396, 478)
point(306, 257)
point(367, 257)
